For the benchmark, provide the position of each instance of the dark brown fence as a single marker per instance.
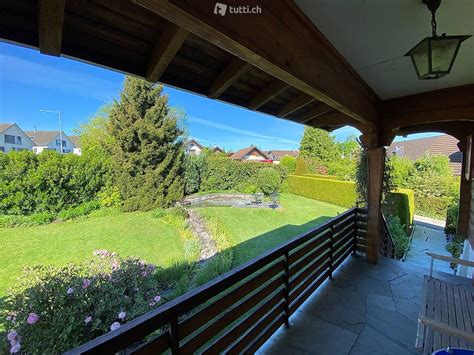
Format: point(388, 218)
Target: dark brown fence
point(238, 311)
point(387, 245)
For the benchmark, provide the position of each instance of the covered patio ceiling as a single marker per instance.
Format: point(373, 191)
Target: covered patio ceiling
point(319, 62)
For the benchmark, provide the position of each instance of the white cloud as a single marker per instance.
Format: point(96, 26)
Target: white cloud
point(244, 132)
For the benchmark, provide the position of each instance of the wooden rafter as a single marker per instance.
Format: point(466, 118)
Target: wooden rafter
point(168, 44)
point(319, 110)
point(227, 77)
point(284, 43)
point(275, 88)
point(294, 105)
point(50, 26)
point(336, 119)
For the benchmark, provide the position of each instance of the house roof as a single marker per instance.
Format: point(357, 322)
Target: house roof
point(217, 149)
point(5, 126)
point(75, 141)
point(42, 137)
point(240, 154)
point(440, 145)
point(195, 142)
point(278, 154)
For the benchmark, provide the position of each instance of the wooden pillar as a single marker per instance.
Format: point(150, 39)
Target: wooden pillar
point(376, 162)
point(465, 197)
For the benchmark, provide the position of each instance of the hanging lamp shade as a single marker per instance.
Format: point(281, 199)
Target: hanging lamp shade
point(434, 56)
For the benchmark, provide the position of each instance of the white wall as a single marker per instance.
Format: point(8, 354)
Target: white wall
point(26, 143)
point(53, 145)
point(192, 149)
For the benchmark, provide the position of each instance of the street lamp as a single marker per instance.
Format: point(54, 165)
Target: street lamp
point(60, 129)
point(434, 56)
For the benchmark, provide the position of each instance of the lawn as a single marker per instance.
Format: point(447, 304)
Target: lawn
point(251, 231)
point(128, 234)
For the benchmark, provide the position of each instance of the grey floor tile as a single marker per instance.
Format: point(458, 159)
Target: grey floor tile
point(381, 301)
point(370, 342)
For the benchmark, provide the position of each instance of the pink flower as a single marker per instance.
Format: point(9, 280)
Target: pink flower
point(12, 335)
point(9, 318)
point(114, 326)
point(157, 298)
point(144, 273)
point(151, 304)
point(115, 265)
point(102, 253)
point(122, 315)
point(15, 348)
point(70, 291)
point(32, 318)
point(86, 283)
point(88, 319)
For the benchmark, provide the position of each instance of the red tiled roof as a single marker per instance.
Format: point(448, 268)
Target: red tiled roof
point(240, 154)
point(278, 154)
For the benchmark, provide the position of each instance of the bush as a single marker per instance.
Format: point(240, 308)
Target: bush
point(340, 193)
point(301, 167)
point(82, 210)
point(433, 206)
point(289, 163)
point(400, 237)
point(268, 180)
point(401, 203)
point(330, 177)
point(109, 196)
point(193, 170)
point(56, 308)
point(35, 219)
point(451, 220)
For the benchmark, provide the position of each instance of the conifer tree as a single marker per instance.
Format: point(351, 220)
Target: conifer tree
point(147, 147)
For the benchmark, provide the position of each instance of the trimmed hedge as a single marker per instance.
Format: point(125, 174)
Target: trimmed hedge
point(401, 203)
point(319, 176)
point(342, 193)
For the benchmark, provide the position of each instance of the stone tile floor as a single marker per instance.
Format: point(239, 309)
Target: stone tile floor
point(366, 309)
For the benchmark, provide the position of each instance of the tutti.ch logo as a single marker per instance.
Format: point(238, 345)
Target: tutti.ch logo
point(220, 9)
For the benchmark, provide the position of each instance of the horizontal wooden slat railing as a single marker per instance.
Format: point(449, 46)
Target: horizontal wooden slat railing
point(238, 311)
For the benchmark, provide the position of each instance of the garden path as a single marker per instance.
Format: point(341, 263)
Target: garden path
point(199, 229)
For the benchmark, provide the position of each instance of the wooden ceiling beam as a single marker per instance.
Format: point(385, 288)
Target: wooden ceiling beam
point(337, 119)
point(294, 105)
point(168, 44)
point(319, 110)
point(227, 77)
point(284, 43)
point(446, 105)
point(275, 88)
point(50, 26)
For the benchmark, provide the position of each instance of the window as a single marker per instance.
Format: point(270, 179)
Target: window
point(9, 139)
point(18, 140)
point(58, 142)
point(2, 149)
point(64, 143)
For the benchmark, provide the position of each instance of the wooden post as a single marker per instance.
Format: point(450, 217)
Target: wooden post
point(287, 290)
point(174, 336)
point(376, 161)
point(466, 146)
point(331, 256)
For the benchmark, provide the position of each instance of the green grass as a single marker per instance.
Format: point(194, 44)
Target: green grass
point(252, 231)
point(128, 234)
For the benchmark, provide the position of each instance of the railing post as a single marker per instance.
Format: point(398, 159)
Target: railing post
point(354, 245)
point(331, 248)
point(174, 336)
point(287, 289)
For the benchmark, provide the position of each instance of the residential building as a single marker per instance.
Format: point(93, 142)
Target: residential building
point(12, 137)
point(77, 145)
point(192, 147)
point(276, 155)
point(444, 144)
point(216, 149)
point(251, 153)
point(50, 140)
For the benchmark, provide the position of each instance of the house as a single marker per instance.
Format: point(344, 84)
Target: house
point(77, 145)
point(12, 137)
point(251, 153)
point(276, 155)
point(444, 144)
point(192, 147)
point(216, 149)
point(50, 140)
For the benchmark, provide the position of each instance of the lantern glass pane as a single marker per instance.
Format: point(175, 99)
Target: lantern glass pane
point(443, 52)
point(419, 55)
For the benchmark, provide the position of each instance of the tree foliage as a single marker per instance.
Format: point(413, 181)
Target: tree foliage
point(319, 144)
point(147, 147)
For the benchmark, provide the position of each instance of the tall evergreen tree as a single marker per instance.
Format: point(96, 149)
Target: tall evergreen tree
point(147, 147)
point(319, 144)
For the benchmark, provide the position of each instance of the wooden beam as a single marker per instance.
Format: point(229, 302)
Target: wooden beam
point(227, 77)
point(50, 26)
point(165, 49)
point(275, 88)
point(294, 105)
point(337, 119)
point(446, 105)
point(283, 42)
point(455, 129)
point(315, 112)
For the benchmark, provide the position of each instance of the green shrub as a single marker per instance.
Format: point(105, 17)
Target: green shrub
point(451, 220)
point(400, 237)
point(109, 196)
point(55, 308)
point(35, 219)
point(401, 203)
point(289, 163)
point(81, 210)
point(319, 176)
point(301, 167)
point(268, 180)
point(433, 206)
point(340, 193)
point(193, 170)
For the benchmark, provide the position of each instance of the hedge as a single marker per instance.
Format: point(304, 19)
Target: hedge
point(319, 176)
point(401, 203)
point(342, 193)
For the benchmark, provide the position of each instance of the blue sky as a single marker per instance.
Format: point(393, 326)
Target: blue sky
point(30, 82)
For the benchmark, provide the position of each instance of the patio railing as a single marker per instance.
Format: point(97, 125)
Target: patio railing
point(387, 244)
point(238, 311)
